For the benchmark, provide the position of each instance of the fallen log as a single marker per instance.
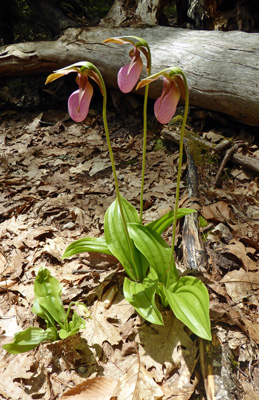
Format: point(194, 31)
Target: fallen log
point(222, 68)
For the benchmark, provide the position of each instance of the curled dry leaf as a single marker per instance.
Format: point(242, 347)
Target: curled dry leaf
point(99, 388)
point(216, 212)
point(240, 284)
point(239, 251)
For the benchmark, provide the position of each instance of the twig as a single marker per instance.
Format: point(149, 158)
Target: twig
point(227, 156)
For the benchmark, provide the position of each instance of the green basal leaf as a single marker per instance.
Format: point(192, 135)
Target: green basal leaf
point(47, 291)
point(29, 339)
point(117, 241)
point(153, 247)
point(64, 334)
point(162, 223)
point(43, 313)
point(189, 300)
point(74, 326)
point(142, 297)
point(77, 322)
point(88, 244)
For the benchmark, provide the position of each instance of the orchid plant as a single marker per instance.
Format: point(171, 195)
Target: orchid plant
point(153, 282)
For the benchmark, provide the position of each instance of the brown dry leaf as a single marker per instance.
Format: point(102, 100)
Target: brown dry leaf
point(239, 250)
point(2, 263)
point(15, 267)
point(240, 284)
point(169, 352)
point(34, 124)
point(137, 384)
point(92, 166)
point(216, 212)
point(79, 216)
point(99, 388)
point(250, 392)
point(98, 329)
point(252, 329)
point(13, 370)
point(213, 137)
point(9, 324)
point(107, 325)
point(43, 206)
point(120, 310)
point(55, 247)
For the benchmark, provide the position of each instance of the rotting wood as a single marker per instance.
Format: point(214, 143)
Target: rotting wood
point(215, 362)
point(193, 251)
point(222, 68)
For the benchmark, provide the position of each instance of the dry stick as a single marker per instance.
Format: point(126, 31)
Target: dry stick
point(227, 156)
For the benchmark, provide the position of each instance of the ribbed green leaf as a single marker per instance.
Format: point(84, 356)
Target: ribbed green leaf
point(43, 313)
point(162, 223)
point(153, 247)
point(189, 300)
point(29, 339)
point(117, 241)
point(74, 326)
point(47, 290)
point(88, 244)
point(142, 297)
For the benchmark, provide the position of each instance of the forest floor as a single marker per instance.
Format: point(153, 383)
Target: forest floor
point(56, 185)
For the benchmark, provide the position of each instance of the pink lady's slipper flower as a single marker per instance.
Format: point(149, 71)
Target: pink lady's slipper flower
point(79, 100)
point(129, 75)
point(173, 89)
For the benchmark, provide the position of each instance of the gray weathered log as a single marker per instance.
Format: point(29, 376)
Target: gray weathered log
point(222, 68)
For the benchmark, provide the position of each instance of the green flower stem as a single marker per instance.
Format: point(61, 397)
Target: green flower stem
point(144, 135)
point(186, 108)
point(106, 129)
point(67, 315)
point(144, 151)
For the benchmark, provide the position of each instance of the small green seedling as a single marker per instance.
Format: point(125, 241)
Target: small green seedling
point(48, 306)
point(203, 222)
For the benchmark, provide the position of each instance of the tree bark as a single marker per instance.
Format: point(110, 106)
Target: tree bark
point(222, 68)
point(128, 13)
point(223, 15)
